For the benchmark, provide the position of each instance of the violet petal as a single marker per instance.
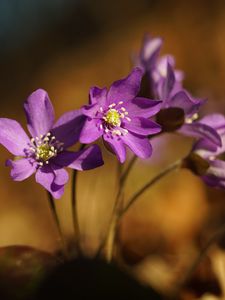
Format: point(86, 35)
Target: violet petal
point(39, 112)
point(21, 168)
point(13, 137)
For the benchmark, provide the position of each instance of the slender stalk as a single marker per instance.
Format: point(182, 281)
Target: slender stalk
point(198, 259)
point(132, 163)
point(128, 169)
point(76, 226)
point(56, 219)
point(118, 213)
point(150, 183)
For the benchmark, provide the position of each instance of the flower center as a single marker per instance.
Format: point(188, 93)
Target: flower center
point(113, 117)
point(45, 152)
point(43, 148)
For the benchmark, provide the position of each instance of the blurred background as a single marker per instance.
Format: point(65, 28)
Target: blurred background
point(67, 46)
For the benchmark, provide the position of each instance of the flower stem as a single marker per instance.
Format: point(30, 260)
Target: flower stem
point(76, 226)
point(150, 183)
point(118, 212)
point(128, 169)
point(56, 219)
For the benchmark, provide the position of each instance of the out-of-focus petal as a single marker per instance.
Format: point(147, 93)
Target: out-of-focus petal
point(150, 50)
point(143, 107)
point(39, 112)
point(199, 130)
point(21, 168)
point(13, 137)
point(216, 121)
point(183, 100)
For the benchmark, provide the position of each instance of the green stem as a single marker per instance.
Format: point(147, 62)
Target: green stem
point(56, 219)
point(150, 183)
point(118, 213)
point(76, 226)
point(128, 169)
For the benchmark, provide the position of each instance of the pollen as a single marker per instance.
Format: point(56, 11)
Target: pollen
point(43, 148)
point(112, 117)
point(44, 152)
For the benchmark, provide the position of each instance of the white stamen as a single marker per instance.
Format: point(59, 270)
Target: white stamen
point(123, 108)
point(128, 119)
point(112, 105)
point(101, 109)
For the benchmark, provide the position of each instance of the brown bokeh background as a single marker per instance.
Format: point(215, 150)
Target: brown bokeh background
point(91, 44)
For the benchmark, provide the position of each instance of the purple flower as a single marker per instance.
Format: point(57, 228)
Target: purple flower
point(214, 174)
point(120, 117)
point(179, 110)
point(149, 53)
point(45, 153)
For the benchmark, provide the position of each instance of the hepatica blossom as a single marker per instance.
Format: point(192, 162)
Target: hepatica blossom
point(45, 153)
point(213, 171)
point(121, 118)
point(179, 110)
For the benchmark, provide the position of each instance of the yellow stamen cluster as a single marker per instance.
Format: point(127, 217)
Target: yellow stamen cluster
point(113, 117)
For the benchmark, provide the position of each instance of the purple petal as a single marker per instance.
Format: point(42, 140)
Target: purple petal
point(205, 148)
point(90, 110)
point(150, 51)
point(216, 121)
point(117, 146)
point(143, 107)
point(97, 95)
point(21, 169)
point(142, 126)
point(85, 159)
point(68, 127)
point(125, 89)
point(90, 132)
point(39, 113)
point(45, 176)
point(168, 83)
point(13, 137)
point(183, 100)
point(217, 168)
point(199, 130)
point(61, 175)
point(138, 144)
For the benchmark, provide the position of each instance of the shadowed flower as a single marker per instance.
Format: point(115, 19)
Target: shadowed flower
point(121, 118)
point(179, 110)
point(45, 153)
point(208, 156)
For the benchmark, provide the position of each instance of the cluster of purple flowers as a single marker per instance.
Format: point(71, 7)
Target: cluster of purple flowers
point(150, 100)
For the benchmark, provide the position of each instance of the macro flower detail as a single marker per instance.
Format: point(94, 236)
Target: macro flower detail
point(45, 153)
point(120, 117)
point(208, 153)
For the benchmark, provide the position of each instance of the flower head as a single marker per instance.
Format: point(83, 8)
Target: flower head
point(179, 110)
point(120, 117)
point(209, 154)
point(45, 153)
